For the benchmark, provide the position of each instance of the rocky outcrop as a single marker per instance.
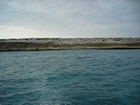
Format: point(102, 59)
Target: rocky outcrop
point(68, 43)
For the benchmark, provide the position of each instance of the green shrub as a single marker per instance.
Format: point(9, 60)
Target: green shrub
point(38, 38)
point(2, 39)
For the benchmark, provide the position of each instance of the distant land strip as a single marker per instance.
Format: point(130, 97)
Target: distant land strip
point(38, 44)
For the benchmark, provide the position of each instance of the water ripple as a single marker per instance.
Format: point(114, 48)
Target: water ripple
point(70, 77)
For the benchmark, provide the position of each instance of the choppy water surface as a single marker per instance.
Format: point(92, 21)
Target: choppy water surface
point(70, 77)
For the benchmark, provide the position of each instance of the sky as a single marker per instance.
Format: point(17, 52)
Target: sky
point(69, 18)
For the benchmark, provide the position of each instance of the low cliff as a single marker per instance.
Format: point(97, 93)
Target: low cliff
point(68, 43)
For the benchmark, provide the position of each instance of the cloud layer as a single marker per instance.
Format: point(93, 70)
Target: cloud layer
point(69, 18)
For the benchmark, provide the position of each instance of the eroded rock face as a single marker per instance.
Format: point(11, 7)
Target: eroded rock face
point(67, 43)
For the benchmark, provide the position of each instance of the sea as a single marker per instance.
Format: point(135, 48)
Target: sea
point(70, 77)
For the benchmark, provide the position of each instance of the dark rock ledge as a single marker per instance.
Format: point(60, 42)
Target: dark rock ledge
point(34, 44)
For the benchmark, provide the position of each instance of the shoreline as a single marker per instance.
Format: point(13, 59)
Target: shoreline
point(42, 44)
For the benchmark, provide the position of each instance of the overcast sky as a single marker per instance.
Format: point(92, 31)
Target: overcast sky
point(69, 18)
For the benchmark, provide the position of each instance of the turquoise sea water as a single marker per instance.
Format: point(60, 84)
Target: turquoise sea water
point(70, 77)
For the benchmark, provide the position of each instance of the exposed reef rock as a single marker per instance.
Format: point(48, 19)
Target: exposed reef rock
point(68, 43)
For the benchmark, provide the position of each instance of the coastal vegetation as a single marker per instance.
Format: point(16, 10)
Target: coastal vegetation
point(68, 43)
